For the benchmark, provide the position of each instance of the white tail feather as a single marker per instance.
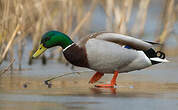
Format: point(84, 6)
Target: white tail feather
point(159, 59)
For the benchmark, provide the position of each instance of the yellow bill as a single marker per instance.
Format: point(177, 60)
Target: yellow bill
point(40, 50)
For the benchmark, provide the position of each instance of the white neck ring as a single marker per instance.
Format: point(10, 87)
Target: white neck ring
point(68, 47)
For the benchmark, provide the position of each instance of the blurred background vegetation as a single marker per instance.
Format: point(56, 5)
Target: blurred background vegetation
point(23, 22)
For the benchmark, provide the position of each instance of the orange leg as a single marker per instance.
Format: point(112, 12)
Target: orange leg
point(112, 84)
point(96, 77)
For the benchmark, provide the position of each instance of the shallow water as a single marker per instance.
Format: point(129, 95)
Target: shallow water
point(154, 88)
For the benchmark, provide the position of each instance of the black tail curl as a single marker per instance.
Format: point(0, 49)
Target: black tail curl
point(151, 53)
point(160, 54)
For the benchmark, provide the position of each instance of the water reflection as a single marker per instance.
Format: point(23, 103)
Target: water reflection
point(96, 90)
point(14, 84)
point(74, 93)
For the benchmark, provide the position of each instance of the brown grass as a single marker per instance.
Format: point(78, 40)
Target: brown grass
point(168, 21)
point(21, 19)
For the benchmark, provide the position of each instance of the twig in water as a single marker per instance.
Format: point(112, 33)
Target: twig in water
point(65, 74)
point(7, 68)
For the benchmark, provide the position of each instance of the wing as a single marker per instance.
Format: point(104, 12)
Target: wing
point(154, 43)
point(124, 40)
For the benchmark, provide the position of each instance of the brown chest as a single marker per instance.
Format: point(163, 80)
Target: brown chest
point(76, 55)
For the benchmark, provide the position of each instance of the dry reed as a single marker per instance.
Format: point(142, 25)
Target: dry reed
point(22, 19)
point(7, 68)
point(168, 22)
point(138, 28)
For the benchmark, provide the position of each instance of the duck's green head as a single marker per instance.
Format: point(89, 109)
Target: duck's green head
point(51, 39)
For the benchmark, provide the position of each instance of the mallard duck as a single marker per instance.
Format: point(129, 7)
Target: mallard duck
point(104, 52)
